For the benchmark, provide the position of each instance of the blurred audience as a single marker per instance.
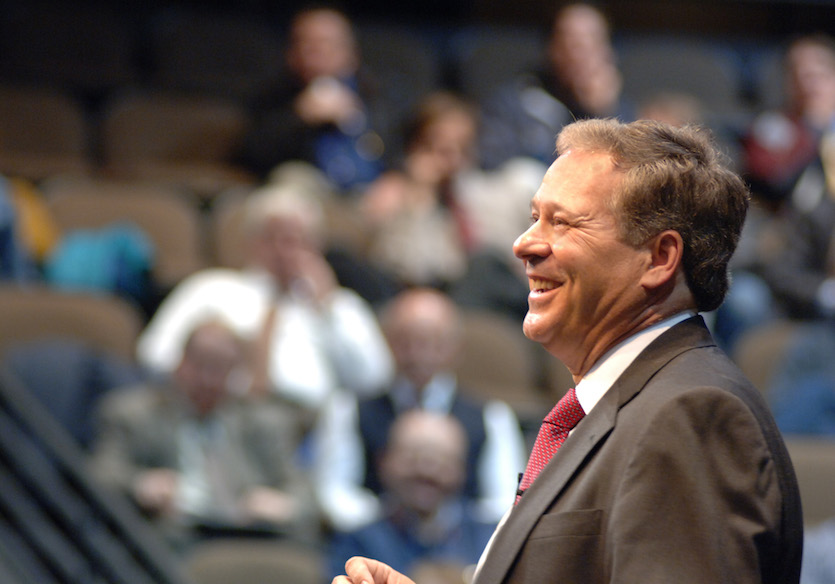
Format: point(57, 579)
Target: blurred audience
point(329, 113)
point(422, 326)
point(311, 336)
point(580, 79)
point(780, 268)
point(425, 518)
point(800, 273)
point(781, 142)
point(420, 232)
point(439, 209)
point(801, 280)
point(198, 455)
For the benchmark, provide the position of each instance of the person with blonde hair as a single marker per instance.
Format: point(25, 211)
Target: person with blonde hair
point(311, 335)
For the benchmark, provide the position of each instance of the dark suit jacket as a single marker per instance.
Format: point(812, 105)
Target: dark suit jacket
point(139, 430)
point(377, 414)
point(677, 475)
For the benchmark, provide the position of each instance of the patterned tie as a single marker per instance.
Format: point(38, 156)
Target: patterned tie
point(552, 433)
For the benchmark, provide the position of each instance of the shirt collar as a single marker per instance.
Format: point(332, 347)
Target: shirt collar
point(608, 368)
point(436, 396)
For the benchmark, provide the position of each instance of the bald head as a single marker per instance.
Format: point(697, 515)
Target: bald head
point(423, 329)
point(425, 460)
point(211, 354)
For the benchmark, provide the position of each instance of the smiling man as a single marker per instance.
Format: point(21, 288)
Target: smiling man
point(675, 471)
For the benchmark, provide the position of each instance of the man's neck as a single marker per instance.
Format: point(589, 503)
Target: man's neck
point(596, 382)
point(609, 339)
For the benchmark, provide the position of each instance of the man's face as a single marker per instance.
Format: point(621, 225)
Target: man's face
point(424, 463)
point(204, 371)
point(422, 339)
point(812, 80)
point(579, 40)
point(282, 247)
point(584, 281)
point(322, 44)
point(448, 145)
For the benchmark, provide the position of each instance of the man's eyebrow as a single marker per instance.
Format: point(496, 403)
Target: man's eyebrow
point(533, 204)
point(553, 206)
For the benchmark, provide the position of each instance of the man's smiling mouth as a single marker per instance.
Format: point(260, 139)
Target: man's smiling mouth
point(540, 285)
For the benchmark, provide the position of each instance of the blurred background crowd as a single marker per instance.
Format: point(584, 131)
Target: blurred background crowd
point(258, 306)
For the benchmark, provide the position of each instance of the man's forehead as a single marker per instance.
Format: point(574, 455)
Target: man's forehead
point(589, 156)
point(578, 169)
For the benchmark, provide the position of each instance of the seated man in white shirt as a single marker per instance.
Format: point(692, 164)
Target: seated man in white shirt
point(314, 335)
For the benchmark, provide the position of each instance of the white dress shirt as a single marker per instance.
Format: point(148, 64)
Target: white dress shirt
point(614, 362)
point(340, 463)
point(314, 351)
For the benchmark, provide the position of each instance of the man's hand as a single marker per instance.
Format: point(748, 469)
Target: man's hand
point(367, 571)
point(155, 490)
point(315, 278)
point(265, 504)
point(327, 101)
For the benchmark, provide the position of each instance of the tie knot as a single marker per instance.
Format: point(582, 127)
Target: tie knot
point(567, 412)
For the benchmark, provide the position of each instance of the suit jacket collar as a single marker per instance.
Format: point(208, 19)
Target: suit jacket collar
point(591, 431)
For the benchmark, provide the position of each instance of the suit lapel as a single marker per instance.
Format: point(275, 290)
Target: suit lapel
point(590, 432)
point(548, 485)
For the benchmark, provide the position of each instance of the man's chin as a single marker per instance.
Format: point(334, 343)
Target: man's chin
point(533, 327)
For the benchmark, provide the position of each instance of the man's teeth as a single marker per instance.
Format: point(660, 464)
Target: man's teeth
point(537, 284)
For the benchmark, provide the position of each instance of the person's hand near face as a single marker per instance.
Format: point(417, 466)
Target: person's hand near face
point(288, 251)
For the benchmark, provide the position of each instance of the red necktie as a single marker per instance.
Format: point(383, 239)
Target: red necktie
point(552, 433)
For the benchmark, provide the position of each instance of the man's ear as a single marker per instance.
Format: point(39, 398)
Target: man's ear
point(666, 253)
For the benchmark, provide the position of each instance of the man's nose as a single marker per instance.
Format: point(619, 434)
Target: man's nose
point(530, 244)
